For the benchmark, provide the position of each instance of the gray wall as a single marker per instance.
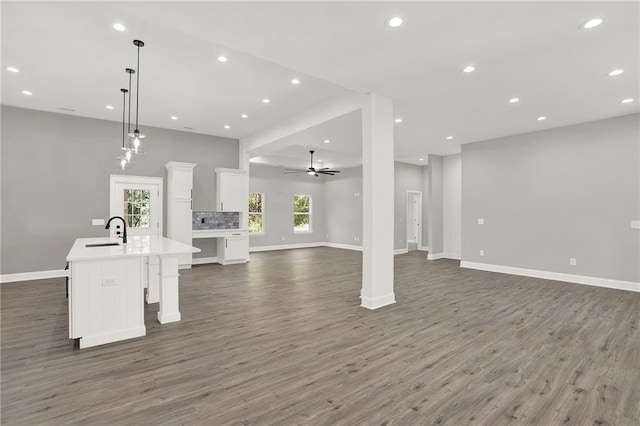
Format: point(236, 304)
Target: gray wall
point(55, 179)
point(343, 198)
point(279, 190)
point(408, 177)
point(552, 195)
point(434, 204)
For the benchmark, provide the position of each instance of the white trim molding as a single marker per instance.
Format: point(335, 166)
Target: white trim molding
point(203, 260)
point(453, 256)
point(378, 302)
point(37, 275)
point(343, 246)
point(400, 251)
point(435, 256)
point(556, 276)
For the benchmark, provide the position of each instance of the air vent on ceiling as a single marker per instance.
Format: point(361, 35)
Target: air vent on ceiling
point(188, 128)
point(66, 109)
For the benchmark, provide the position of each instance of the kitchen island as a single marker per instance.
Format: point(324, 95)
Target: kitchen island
point(106, 284)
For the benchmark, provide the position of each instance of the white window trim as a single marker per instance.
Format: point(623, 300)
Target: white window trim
point(310, 230)
point(257, 234)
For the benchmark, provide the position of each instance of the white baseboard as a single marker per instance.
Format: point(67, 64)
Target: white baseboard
point(400, 251)
point(377, 302)
point(455, 256)
point(556, 276)
point(423, 248)
point(203, 260)
point(435, 256)
point(286, 247)
point(343, 246)
point(38, 275)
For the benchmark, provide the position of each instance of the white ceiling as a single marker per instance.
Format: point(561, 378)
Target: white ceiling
point(70, 56)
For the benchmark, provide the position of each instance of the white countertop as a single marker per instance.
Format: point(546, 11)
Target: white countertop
point(214, 233)
point(137, 245)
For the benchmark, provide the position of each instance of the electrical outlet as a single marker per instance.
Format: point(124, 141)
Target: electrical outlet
point(356, 239)
point(327, 236)
point(481, 252)
point(283, 238)
point(480, 221)
point(573, 261)
point(108, 282)
point(635, 224)
point(97, 221)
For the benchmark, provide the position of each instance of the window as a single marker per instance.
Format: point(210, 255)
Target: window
point(137, 208)
point(301, 213)
point(256, 211)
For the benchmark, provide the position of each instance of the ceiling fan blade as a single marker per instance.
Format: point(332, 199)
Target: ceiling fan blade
point(328, 171)
point(290, 171)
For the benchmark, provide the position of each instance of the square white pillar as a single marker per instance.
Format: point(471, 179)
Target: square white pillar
point(377, 201)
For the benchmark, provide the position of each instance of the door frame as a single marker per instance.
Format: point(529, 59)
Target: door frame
point(411, 192)
point(133, 180)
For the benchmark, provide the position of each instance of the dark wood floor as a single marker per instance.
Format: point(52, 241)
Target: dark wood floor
point(282, 340)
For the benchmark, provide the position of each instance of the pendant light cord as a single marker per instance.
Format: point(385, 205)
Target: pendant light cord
point(130, 71)
point(138, 87)
point(124, 110)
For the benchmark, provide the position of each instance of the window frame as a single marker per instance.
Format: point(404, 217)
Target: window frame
point(261, 213)
point(310, 214)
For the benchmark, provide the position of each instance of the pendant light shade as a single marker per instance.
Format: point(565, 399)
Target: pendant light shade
point(123, 160)
point(137, 135)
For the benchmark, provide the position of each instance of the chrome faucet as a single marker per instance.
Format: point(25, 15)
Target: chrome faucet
point(124, 235)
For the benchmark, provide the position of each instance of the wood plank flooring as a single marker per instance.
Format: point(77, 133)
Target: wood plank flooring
point(282, 340)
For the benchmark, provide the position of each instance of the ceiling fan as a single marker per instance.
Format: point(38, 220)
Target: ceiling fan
point(312, 170)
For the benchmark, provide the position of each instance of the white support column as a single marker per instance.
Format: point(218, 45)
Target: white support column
point(169, 306)
point(378, 201)
point(153, 279)
point(243, 164)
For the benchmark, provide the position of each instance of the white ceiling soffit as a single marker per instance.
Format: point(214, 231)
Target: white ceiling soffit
point(71, 57)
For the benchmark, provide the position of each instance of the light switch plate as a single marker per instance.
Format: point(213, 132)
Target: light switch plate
point(108, 282)
point(635, 224)
point(480, 221)
point(97, 221)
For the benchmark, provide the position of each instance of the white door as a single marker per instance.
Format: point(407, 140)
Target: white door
point(414, 215)
point(138, 199)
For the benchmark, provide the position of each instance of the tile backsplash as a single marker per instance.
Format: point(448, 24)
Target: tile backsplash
point(215, 220)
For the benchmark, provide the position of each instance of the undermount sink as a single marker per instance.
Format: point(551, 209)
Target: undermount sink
point(102, 244)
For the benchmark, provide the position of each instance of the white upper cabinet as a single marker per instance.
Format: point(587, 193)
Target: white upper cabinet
point(230, 185)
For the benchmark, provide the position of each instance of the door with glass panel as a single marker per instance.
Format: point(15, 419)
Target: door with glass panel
point(138, 200)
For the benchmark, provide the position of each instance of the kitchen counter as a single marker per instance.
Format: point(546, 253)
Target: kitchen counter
point(214, 233)
point(106, 286)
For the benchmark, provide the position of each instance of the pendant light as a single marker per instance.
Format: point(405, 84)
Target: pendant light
point(136, 134)
point(123, 158)
point(130, 145)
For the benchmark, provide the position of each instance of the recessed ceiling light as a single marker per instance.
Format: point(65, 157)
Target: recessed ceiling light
point(295, 81)
point(13, 69)
point(542, 118)
point(616, 72)
point(173, 117)
point(244, 116)
point(395, 22)
point(449, 137)
point(398, 120)
point(265, 101)
point(592, 23)
point(327, 141)
point(420, 159)
point(222, 59)
point(119, 27)
point(108, 106)
point(514, 100)
point(26, 92)
point(469, 68)
point(226, 126)
point(626, 101)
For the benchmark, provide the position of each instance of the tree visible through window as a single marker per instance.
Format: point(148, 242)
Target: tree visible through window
point(137, 208)
point(256, 211)
point(301, 213)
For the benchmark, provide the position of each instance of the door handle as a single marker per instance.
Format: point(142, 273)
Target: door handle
point(221, 206)
point(226, 243)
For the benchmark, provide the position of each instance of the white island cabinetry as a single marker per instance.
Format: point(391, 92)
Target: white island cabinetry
point(107, 284)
